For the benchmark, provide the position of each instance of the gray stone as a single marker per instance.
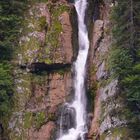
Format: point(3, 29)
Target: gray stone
point(109, 91)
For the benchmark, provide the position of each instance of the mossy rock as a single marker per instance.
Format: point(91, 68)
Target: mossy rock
point(39, 119)
point(28, 119)
point(121, 133)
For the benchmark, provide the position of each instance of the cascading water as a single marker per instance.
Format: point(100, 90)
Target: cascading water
point(79, 102)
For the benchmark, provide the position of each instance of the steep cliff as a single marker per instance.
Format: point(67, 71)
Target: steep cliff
point(43, 74)
point(42, 70)
point(113, 118)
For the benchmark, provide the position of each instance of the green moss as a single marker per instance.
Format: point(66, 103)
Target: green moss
point(107, 81)
point(56, 27)
point(121, 133)
point(48, 61)
point(93, 84)
point(22, 89)
point(93, 89)
point(63, 71)
point(33, 49)
point(39, 119)
point(56, 12)
point(93, 70)
point(28, 119)
point(53, 34)
point(39, 79)
point(42, 23)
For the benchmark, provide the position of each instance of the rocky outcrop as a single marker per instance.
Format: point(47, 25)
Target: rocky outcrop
point(43, 79)
point(66, 120)
point(47, 34)
point(109, 121)
point(43, 134)
point(47, 98)
point(66, 37)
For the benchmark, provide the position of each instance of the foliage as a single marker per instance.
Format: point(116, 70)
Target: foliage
point(124, 59)
point(120, 60)
point(10, 23)
point(5, 88)
point(56, 27)
point(39, 119)
point(39, 78)
point(42, 22)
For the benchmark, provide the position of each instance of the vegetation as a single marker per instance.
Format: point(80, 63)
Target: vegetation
point(40, 119)
point(28, 119)
point(5, 89)
point(36, 119)
point(121, 133)
point(56, 27)
point(10, 23)
point(39, 79)
point(124, 59)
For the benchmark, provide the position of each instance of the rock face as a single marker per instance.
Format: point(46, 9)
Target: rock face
point(43, 78)
point(46, 50)
point(109, 121)
point(66, 37)
point(48, 34)
point(43, 134)
point(67, 120)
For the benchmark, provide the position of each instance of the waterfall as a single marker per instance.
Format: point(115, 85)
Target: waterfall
point(79, 103)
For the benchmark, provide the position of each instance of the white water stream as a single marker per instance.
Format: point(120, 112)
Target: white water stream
point(79, 102)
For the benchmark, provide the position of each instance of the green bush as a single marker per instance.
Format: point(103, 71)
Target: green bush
point(6, 91)
point(120, 60)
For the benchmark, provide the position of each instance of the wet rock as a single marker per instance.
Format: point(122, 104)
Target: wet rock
point(67, 119)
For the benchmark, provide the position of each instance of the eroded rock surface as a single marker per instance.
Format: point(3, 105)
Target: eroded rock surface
point(46, 47)
point(45, 132)
point(109, 121)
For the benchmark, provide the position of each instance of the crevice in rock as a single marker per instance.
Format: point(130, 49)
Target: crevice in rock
point(99, 40)
point(39, 67)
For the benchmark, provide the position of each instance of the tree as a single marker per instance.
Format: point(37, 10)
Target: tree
point(124, 58)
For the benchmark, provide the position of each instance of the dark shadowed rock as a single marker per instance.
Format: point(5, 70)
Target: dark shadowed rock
point(38, 67)
point(66, 120)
